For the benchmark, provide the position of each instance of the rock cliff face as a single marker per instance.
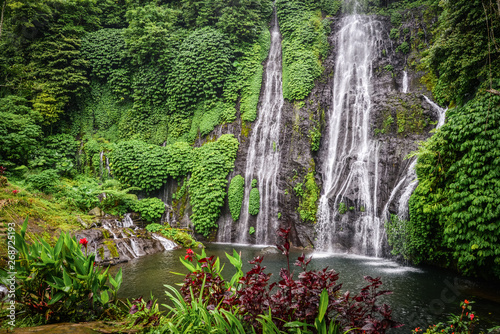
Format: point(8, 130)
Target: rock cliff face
point(399, 117)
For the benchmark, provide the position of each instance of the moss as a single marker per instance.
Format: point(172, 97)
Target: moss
point(105, 233)
point(101, 253)
point(110, 244)
point(245, 129)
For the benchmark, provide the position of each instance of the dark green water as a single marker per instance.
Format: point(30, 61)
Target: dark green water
point(421, 295)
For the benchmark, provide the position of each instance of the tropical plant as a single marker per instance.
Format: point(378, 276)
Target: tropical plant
point(60, 282)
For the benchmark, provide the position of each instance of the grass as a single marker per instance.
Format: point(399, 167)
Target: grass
point(47, 217)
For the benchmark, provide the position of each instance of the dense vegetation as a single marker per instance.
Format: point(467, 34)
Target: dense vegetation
point(454, 210)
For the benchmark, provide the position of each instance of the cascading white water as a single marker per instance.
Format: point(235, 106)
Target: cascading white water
point(127, 221)
point(405, 82)
point(350, 171)
point(263, 158)
point(410, 179)
point(167, 244)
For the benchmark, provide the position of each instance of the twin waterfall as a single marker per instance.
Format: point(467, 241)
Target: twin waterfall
point(352, 170)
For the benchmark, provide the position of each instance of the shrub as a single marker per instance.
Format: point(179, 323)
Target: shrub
point(342, 208)
point(404, 48)
point(45, 181)
point(254, 202)
point(236, 192)
point(394, 34)
point(313, 294)
point(60, 282)
point(139, 164)
point(151, 209)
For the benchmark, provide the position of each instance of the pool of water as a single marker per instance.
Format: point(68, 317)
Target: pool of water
point(421, 295)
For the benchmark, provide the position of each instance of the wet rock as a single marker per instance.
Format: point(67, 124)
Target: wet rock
point(96, 212)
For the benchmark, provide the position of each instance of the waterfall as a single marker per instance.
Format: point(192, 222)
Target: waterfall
point(410, 179)
point(167, 244)
point(350, 170)
point(441, 112)
point(263, 158)
point(405, 82)
point(127, 221)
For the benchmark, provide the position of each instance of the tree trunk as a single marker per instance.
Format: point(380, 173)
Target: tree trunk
point(1, 17)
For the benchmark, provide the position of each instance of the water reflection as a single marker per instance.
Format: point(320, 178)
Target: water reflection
point(421, 295)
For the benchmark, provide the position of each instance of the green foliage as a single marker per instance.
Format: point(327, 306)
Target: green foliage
point(246, 80)
point(179, 159)
point(19, 130)
point(331, 7)
point(389, 68)
point(396, 18)
point(404, 48)
point(235, 193)
point(207, 185)
point(386, 125)
point(308, 198)
point(109, 60)
point(455, 206)
point(200, 69)
point(463, 57)
point(251, 230)
point(304, 44)
point(342, 208)
point(56, 152)
point(181, 237)
point(254, 202)
point(254, 183)
point(45, 181)
point(139, 164)
point(394, 34)
point(117, 199)
point(60, 282)
point(151, 209)
point(396, 230)
point(315, 138)
point(410, 119)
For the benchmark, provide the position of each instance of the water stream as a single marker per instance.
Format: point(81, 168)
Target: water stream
point(421, 295)
point(350, 171)
point(263, 158)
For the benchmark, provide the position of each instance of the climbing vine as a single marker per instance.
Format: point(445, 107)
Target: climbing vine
point(236, 193)
point(454, 210)
point(207, 185)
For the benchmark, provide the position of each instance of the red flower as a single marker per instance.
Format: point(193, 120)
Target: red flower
point(472, 316)
point(189, 255)
point(15, 191)
point(466, 301)
point(84, 242)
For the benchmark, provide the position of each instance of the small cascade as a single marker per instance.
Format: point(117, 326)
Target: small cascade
point(107, 226)
point(405, 82)
point(410, 181)
point(124, 244)
point(441, 112)
point(137, 250)
point(350, 171)
point(263, 158)
point(167, 244)
point(127, 221)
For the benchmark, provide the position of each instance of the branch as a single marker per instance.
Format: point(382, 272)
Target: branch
point(493, 91)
